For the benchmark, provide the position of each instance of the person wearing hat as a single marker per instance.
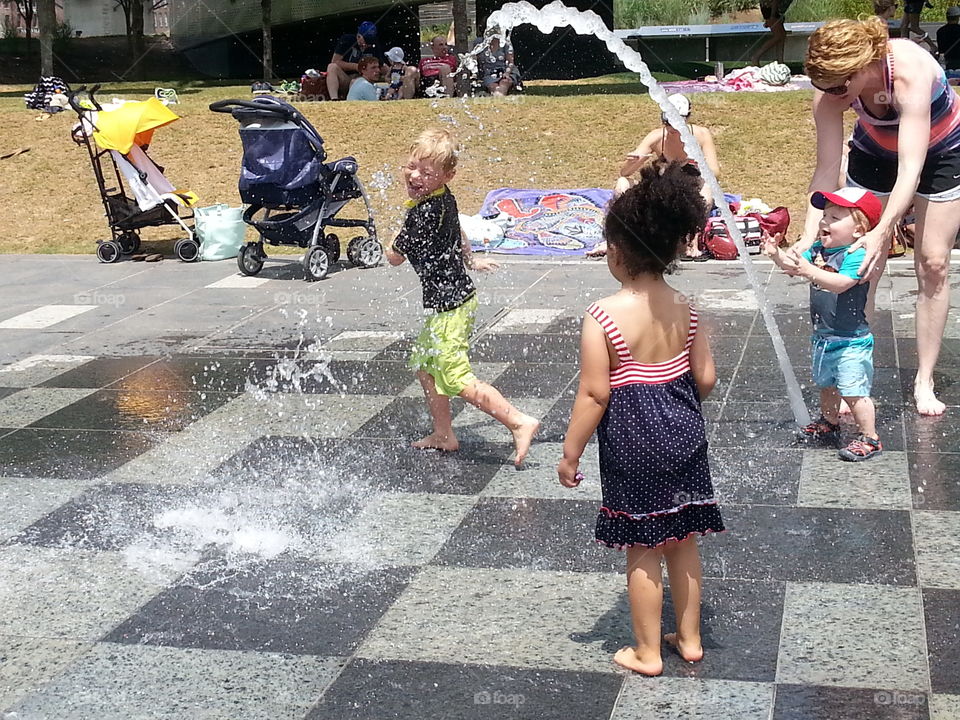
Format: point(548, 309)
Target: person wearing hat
point(665, 141)
point(395, 74)
point(441, 67)
point(342, 69)
point(905, 149)
point(948, 39)
point(842, 344)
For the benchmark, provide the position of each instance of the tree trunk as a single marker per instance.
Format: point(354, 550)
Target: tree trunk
point(137, 42)
point(266, 10)
point(27, 10)
point(47, 20)
point(461, 33)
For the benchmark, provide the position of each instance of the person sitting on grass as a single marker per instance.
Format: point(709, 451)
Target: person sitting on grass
point(343, 65)
point(439, 68)
point(665, 142)
point(948, 40)
point(439, 252)
point(842, 343)
point(498, 74)
point(363, 87)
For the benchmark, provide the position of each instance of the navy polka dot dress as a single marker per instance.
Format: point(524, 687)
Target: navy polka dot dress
point(653, 450)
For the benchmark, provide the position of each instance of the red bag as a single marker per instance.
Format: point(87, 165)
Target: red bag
point(717, 240)
point(773, 222)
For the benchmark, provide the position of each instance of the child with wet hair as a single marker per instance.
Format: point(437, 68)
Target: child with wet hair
point(644, 370)
point(439, 252)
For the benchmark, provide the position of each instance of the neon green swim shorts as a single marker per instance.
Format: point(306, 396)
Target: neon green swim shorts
point(441, 348)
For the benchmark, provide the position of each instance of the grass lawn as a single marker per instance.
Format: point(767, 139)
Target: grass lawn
point(560, 135)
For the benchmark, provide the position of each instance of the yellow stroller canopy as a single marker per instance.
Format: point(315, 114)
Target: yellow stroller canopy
point(131, 123)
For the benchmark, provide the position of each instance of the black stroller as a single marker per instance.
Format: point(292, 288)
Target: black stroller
point(297, 195)
point(116, 140)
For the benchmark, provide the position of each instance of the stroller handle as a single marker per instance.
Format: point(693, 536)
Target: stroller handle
point(75, 104)
point(228, 106)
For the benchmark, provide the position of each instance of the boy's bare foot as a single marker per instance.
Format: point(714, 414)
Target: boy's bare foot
point(927, 403)
point(446, 443)
point(627, 657)
point(691, 652)
point(523, 436)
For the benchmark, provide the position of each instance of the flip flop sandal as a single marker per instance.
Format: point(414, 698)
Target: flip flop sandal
point(155, 257)
point(138, 258)
point(686, 258)
point(700, 258)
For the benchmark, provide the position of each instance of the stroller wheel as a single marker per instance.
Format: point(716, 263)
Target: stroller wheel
point(316, 263)
point(365, 252)
point(250, 260)
point(108, 252)
point(129, 243)
point(187, 249)
point(331, 244)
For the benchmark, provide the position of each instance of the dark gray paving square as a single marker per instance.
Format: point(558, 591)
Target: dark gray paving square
point(760, 352)
point(540, 380)
point(766, 384)
point(4, 391)
point(501, 347)
point(281, 605)
point(942, 612)
point(804, 702)
point(368, 689)
point(934, 480)
point(529, 533)
point(399, 350)
point(933, 434)
point(788, 543)
point(565, 325)
point(106, 517)
point(390, 465)
point(404, 417)
point(945, 381)
point(70, 454)
point(949, 354)
point(755, 476)
point(147, 410)
point(216, 374)
point(553, 425)
point(355, 377)
point(797, 323)
point(729, 323)
point(100, 372)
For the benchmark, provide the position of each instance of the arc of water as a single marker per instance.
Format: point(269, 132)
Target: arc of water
point(587, 22)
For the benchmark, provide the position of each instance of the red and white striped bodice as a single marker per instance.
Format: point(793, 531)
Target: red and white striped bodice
point(629, 371)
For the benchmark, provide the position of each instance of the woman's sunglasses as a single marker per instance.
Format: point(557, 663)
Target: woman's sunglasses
point(836, 89)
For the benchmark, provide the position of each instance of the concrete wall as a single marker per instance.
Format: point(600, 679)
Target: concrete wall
point(102, 17)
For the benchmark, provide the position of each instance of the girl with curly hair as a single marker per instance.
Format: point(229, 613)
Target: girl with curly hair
point(644, 369)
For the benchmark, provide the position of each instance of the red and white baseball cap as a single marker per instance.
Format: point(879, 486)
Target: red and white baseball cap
point(851, 197)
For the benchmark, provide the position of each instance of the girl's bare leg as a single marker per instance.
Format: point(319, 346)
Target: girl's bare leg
point(683, 566)
point(486, 397)
point(645, 589)
point(443, 437)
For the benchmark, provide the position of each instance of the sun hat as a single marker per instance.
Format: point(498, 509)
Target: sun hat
point(681, 103)
point(395, 54)
point(368, 31)
point(851, 197)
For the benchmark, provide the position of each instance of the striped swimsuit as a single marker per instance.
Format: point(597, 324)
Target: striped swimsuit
point(653, 450)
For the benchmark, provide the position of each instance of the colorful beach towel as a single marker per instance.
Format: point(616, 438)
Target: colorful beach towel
point(547, 222)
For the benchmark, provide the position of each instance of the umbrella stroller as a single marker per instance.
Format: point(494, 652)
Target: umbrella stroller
point(119, 137)
point(291, 193)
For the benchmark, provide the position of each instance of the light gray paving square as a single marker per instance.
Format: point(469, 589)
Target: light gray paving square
point(33, 403)
point(488, 372)
point(39, 368)
point(398, 529)
point(692, 699)
point(23, 501)
point(119, 682)
point(525, 320)
point(499, 617)
point(312, 415)
point(28, 662)
point(76, 594)
point(827, 481)
point(937, 542)
point(538, 479)
point(473, 425)
point(944, 707)
point(867, 636)
point(362, 340)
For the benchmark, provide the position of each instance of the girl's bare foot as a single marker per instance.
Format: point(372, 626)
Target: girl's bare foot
point(629, 658)
point(522, 437)
point(927, 403)
point(446, 443)
point(691, 652)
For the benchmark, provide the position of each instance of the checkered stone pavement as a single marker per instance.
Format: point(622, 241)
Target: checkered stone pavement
point(209, 509)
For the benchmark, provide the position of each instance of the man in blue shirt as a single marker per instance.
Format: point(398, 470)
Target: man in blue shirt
point(346, 54)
